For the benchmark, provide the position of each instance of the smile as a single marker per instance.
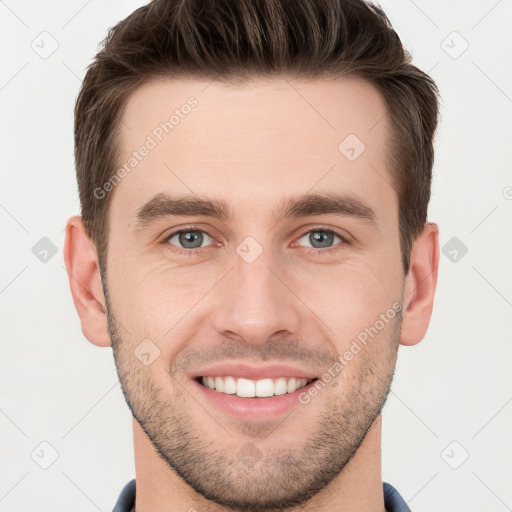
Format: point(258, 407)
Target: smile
point(254, 388)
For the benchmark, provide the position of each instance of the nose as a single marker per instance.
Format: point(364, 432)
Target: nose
point(256, 302)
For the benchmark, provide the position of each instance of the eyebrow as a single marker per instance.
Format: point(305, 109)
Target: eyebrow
point(165, 205)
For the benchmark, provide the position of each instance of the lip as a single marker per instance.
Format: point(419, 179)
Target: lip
point(250, 409)
point(253, 372)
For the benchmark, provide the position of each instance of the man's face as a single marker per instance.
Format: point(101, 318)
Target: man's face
point(255, 295)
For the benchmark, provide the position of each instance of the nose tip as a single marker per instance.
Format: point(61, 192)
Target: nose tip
point(255, 305)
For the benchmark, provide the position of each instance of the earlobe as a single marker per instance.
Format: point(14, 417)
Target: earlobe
point(420, 286)
point(85, 282)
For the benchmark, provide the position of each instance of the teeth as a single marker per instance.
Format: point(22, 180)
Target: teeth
point(245, 388)
point(250, 388)
point(264, 387)
point(280, 386)
point(229, 386)
point(219, 384)
point(292, 385)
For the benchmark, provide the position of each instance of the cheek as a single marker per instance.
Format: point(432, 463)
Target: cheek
point(349, 297)
point(157, 302)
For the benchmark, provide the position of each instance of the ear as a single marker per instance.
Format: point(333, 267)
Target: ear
point(85, 282)
point(420, 285)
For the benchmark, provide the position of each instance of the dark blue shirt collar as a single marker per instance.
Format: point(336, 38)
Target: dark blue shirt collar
point(392, 499)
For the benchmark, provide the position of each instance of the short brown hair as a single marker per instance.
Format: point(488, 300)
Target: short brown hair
point(236, 40)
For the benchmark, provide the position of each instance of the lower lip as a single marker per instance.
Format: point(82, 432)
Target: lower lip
point(252, 408)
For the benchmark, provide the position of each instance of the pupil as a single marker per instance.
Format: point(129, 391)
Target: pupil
point(188, 238)
point(325, 239)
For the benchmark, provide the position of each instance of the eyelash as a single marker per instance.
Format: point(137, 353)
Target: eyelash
point(311, 250)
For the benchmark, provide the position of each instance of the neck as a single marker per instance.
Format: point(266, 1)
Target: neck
point(357, 487)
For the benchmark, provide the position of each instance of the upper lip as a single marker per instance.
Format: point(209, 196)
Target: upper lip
point(253, 372)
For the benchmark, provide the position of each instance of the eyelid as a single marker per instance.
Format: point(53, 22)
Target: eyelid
point(185, 229)
point(324, 251)
point(344, 238)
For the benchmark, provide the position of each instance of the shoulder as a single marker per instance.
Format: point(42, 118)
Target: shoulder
point(126, 499)
point(393, 502)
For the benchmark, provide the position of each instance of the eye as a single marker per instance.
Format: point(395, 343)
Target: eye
point(322, 240)
point(188, 239)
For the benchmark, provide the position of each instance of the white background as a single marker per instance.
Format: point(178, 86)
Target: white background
point(454, 386)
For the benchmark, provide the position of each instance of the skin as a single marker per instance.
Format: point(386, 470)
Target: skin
point(253, 145)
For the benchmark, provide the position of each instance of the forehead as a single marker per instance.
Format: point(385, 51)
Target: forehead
point(261, 139)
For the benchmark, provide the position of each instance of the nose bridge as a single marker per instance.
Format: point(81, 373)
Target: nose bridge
point(255, 303)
